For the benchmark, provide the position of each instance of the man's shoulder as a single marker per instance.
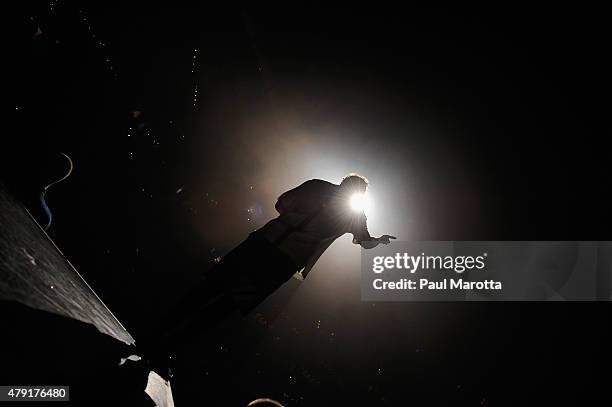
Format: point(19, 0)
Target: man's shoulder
point(310, 188)
point(319, 183)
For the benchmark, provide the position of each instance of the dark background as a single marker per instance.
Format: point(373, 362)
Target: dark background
point(474, 123)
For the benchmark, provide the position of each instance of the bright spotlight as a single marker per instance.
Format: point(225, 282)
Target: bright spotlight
point(359, 202)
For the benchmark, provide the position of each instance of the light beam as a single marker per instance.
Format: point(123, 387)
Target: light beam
point(359, 202)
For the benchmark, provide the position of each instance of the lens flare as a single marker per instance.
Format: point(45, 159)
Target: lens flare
point(359, 202)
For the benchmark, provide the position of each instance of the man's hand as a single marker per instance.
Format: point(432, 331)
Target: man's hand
point(375, 241)
point(385, 239)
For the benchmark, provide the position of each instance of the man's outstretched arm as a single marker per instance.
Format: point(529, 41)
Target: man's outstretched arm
point(362, 237)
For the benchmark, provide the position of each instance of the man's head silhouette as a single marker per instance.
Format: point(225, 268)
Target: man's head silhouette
point(354, 183)
point(354, 186)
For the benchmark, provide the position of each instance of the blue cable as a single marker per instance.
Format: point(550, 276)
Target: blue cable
point(43, 201)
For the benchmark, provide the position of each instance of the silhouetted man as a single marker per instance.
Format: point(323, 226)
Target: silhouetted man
point(311, 217)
